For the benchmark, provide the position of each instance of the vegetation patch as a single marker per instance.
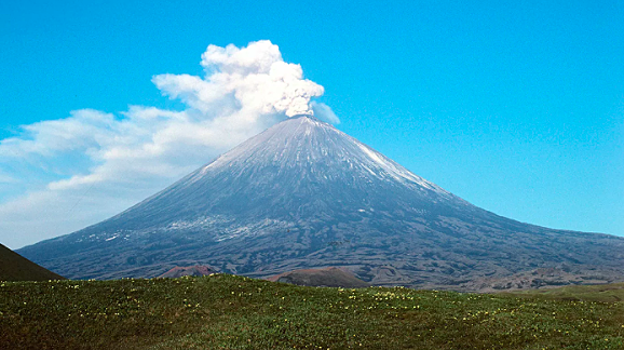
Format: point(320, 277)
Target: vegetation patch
point(230, 312)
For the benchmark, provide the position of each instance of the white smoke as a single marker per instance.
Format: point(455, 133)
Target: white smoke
point(93, 157)
point(251, 82)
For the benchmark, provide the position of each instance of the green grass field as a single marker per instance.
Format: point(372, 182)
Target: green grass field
point(229, 312)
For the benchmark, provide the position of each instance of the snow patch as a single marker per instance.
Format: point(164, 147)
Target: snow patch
point(373, 156)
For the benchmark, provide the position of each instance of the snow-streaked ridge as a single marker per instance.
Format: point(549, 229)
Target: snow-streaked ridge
point(292, 174)
point(354, 151)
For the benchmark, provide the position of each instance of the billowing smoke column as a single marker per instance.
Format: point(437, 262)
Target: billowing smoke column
point(254, 79)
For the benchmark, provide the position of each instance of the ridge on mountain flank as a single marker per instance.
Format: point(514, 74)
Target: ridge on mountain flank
point(303, 194)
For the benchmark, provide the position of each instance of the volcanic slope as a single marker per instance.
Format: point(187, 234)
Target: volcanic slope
point(305, 195)
point(14, 267)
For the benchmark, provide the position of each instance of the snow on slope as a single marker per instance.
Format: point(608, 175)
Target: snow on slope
point(298, 169)
point(303, 195)
point(314, 141)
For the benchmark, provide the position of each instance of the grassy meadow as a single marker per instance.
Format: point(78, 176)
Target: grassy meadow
point(231, 312)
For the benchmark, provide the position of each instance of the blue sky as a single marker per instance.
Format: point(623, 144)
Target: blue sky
point(517, 107)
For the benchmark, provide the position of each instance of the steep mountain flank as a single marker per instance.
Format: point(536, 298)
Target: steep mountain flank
point(303, 194)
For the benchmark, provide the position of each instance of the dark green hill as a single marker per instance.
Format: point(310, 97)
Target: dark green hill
point(231, 312)
point(14, 267)
point(328, 277)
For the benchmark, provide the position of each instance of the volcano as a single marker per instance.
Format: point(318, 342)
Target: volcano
point(305, 195)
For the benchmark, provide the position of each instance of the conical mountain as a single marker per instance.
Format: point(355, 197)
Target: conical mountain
point(303, 194)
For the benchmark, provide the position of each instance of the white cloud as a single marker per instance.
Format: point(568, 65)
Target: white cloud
point(82, 130)
point(101, 163)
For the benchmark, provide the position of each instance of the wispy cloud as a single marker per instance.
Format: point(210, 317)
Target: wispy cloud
point(97, 164)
